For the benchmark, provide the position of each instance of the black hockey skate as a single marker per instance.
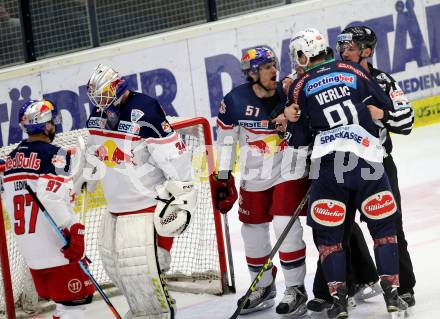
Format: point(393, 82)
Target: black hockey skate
point(317, 308)
point(396, 307)
point(409, 299)
point(293, 304)
point(339, 307)
point(262, 298)
point(367, 291)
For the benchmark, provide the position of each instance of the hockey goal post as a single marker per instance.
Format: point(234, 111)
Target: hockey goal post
point(200, 260)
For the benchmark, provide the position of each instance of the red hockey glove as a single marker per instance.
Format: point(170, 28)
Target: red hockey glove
point(225, 193)
point(74, 250)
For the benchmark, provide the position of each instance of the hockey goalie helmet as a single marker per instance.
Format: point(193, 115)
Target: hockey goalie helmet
point(34, 115)
point(364, 37)
point(105, 86)
point(252, 59)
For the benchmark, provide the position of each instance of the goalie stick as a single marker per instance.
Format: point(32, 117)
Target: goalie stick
point(274, 250)
point(83, 267)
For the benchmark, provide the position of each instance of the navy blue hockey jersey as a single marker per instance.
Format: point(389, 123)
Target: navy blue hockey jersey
point(333, 99)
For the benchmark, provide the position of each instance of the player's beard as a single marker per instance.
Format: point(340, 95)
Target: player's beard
point(51, 135)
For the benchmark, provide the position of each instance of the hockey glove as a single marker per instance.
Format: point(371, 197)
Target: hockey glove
point(225, 192)
point(176, 202)
point(74, 250)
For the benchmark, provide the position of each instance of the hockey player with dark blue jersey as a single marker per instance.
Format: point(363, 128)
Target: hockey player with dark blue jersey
point(331, 99)
point(357, 44)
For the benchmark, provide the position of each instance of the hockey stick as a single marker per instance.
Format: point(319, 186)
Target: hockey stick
point(63, 239)
point(228, 247)
point(271, 255)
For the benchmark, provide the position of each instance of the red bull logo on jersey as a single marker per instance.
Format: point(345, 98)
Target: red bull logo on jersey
point(328, 212)
point(21, 161)
point(111, 155)
point(269, 145)
point(380, 205)
point(332, 79)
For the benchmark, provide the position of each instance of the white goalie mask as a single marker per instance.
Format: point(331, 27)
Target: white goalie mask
point(105, 86)
point(309, 42)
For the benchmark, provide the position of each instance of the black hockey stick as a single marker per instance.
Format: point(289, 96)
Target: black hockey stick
point(271, 255)
point(83, 267)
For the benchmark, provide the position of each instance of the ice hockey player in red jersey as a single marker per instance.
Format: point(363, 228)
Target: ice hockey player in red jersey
point(147, 181)
point(270, 190)
point(46, 169)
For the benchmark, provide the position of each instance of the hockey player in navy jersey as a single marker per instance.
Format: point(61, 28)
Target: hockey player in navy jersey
point(146, 177)
point(331, 99)
point(46, 168)
point(269, 191)
point(357, 44)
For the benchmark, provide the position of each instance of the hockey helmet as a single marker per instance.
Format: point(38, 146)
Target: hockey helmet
point(34, 115)
point(363, 36)
point(252, 59)
point(105, 86)
point(309, 42)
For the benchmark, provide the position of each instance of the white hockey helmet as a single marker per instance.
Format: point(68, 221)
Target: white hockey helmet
point(105, 86)
point(34, 115)
point(309, 42)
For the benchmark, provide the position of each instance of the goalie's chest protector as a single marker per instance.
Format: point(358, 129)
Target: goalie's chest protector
point(119, 141)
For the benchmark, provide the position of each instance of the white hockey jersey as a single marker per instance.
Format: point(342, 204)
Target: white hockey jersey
point(134, 149)
point(44, 167)
point(265, 158)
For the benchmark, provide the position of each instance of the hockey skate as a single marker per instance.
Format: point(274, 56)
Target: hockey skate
point(367, 291)
point(262, 298)
point(339, 307)
point(317, 308)
point(293, 304)
point(410, 301)
point(396, 307)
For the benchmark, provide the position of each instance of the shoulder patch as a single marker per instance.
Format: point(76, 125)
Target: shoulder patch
point(136, 114)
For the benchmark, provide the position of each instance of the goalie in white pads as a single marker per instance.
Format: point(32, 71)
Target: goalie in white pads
point(147, 182)
point(45, 168)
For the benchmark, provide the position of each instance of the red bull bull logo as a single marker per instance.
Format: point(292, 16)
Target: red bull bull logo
point(269, 146)
point(111, 155)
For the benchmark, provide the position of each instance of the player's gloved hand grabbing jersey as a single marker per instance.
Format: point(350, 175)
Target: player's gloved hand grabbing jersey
point(74, 250)
point(225, 192)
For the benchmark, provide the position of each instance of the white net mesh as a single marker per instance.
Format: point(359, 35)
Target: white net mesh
point(195, 265)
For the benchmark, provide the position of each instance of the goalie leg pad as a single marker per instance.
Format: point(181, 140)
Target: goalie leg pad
point(137, 267)
point(176, 202)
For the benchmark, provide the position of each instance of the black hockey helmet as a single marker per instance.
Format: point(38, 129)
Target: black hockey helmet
point(363, 36)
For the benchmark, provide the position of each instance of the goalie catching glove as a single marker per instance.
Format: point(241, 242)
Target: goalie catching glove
point(176, 202)
point(74, 250)
point(225, 191)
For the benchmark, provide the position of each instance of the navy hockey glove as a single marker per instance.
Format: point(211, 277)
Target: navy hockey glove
point(74, 250)
point(225, 192)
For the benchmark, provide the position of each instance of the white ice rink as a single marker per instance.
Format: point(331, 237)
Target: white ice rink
point(418, 161)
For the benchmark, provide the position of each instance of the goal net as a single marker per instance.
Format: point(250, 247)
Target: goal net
point(199, 259)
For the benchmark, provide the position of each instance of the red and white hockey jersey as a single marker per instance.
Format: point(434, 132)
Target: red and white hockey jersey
point(135, 149)
point(45, 168)
point(265, 158)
